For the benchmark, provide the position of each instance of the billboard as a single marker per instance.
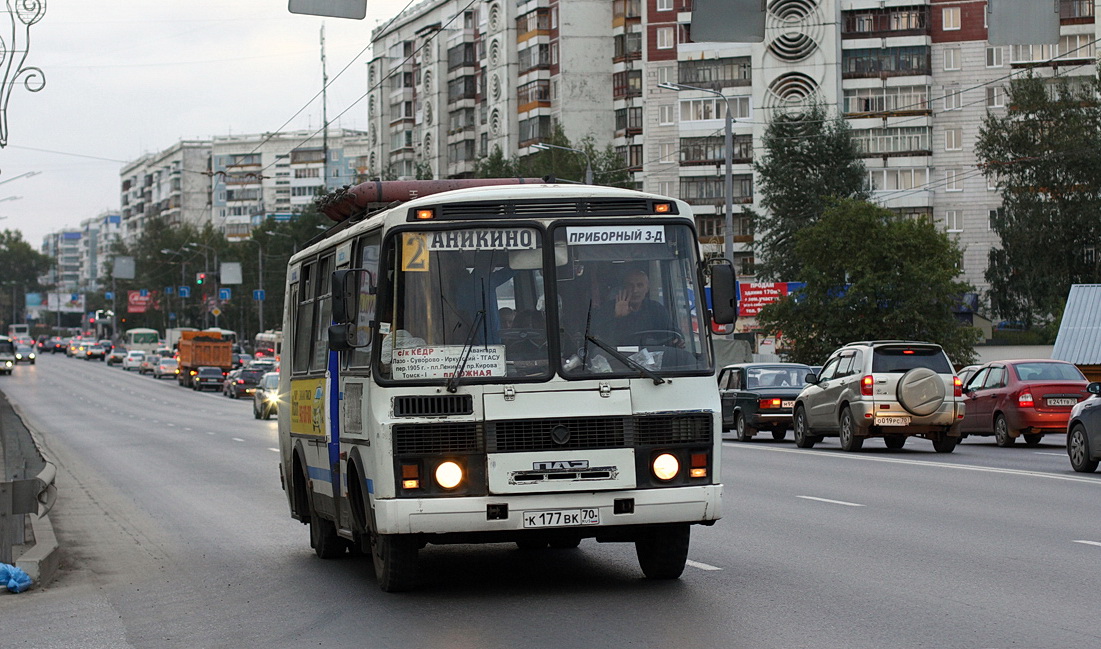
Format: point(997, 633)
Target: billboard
point(754, 295)
point(140, 302)
point(65, 302)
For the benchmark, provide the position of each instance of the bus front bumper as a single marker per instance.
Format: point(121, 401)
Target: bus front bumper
point(585, 512)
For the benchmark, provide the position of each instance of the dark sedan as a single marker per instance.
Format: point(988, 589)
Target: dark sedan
point(1084, 432)
point(760, 396)
point(243, 384)
point(207, 378)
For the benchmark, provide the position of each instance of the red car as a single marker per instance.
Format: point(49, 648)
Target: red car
point(1030, 398)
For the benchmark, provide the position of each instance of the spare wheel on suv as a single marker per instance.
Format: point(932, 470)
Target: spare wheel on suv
point(921, 391)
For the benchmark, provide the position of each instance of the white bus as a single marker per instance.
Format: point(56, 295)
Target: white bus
point(142, 340)
point(423, 412)
point(268, 344)
point(19, 331)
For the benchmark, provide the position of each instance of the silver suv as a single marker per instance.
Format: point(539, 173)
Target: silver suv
point(892, 389)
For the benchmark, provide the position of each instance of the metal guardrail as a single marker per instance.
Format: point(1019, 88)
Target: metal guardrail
point(21, 497)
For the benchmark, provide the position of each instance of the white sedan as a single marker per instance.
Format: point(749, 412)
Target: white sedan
point(133, 361)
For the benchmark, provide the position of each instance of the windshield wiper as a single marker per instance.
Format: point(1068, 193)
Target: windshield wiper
point(453, 381)
point(648, 373)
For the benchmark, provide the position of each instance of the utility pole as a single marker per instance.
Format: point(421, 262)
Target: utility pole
point(324, 115)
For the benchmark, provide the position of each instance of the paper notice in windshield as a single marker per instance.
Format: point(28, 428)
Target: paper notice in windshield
point(615, 234)
point(440, 362)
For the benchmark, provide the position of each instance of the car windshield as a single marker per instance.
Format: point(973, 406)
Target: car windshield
point(1048, 372)
point(168, 361)
point(904, 359)
point(251, 375)
point(270, 381)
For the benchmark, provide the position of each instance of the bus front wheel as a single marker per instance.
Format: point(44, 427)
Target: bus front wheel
point(395, 559)
point(663, 550)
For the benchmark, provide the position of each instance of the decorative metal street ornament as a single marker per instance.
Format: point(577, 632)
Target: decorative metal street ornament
point(13, 55)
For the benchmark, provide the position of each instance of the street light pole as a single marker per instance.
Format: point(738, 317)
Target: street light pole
point(206, 261)
point(543, 146)
point(260, 276)
point(728, 145)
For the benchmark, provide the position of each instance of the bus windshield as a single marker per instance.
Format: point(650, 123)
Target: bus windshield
point(484, 303)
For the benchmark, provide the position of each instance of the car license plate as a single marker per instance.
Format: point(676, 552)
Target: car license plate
point(1061, 402)
point(892, 421)
point(562, 517)
point(787, 404)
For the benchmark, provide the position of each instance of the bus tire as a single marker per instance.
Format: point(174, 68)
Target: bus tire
point(395, 559)
point(323, 537)
point(662, 550)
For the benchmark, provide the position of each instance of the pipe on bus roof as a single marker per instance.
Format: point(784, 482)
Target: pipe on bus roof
point(344, 203)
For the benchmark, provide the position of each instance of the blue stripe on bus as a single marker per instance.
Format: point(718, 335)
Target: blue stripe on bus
point(319, 473)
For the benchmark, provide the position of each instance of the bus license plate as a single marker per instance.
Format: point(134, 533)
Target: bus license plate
point(562, 517)
point(892, 421)
point(1061, 402)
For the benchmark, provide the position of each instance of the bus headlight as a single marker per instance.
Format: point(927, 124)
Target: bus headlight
point(665, 467)
point(449, 474)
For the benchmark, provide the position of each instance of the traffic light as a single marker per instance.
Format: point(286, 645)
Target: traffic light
point(200, 278)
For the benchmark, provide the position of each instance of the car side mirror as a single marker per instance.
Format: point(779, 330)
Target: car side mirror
point(1094, 388)
point(812, 379)
point(724, 303)
point(346, 290)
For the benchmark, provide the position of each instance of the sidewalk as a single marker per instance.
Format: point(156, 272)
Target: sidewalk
point(35, 549)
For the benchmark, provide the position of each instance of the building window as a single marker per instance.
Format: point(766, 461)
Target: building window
point(665, 5)
point(886, 62)
point(995, 97)
point(666, 188)
point(665, 39)
point(953, 139)
point(952, 58)
point(628, 119)
point(895, 139)
point(692, 110)
point(628, 46)
point(952, 181)
point(951, 18)
point(953, 99)
point(698, 151)
point(953, 221)
point(667, 115)
point(627, 84)
point(716, 74)
point(894, 179)
point(667, 152)
point(994, 57)
point(893, 98)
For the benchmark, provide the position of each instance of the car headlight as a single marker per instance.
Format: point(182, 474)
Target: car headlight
point(8, 363)
point(31, 357)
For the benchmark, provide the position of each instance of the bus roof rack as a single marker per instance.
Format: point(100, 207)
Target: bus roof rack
point(352, 199)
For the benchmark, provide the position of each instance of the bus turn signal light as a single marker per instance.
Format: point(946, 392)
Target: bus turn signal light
point(426, 215)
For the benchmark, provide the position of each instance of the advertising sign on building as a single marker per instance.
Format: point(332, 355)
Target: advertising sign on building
point(65, 302)
point(138, 303)
point(754, 295)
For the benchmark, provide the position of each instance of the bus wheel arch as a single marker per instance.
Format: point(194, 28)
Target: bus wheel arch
point(357, 492)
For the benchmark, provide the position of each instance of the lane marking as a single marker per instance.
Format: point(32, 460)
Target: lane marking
point(701, 566)
point(1089, 543)
point(273, 450)
point(939, 465)
point(1055, 454)
point(238, 439)
point(832, 502)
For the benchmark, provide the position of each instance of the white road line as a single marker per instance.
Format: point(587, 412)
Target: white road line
point(832, 502)
point(210, 432)
point(273, 450)
point(238, 439)
point(701, 566)
point(1055, 454)
point(937, 465)
point(1089, 543)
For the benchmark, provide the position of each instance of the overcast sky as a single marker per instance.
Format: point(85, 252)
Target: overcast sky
point(130, 77)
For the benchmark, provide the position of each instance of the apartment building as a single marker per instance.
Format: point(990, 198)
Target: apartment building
point(262, 176)
point(173, 184)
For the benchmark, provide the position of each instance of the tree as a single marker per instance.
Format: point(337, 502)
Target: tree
point(20, 267)
point(1043, 155)
point(809, 160)
point(609, 168)
point(871, 275)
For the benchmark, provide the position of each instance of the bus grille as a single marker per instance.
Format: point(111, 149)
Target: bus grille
point(537, 434)
point(661, 430)
point(433, 405)
point(451, 437)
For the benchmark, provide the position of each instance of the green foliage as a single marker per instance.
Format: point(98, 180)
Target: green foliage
point(608, 166)
point(1043, 153)
point(871, 276)
point(20, 267)
point(809, 160)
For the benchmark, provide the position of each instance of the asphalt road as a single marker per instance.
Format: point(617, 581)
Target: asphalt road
point(175, 533)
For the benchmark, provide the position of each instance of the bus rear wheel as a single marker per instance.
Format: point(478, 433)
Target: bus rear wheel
point(663, 550)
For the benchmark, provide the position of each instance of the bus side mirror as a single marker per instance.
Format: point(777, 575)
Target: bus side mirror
point(345, 294)
point(724, 304)
point(340, 336)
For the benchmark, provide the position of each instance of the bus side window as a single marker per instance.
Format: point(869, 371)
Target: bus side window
point(368, 293)
point(303, 320)
point(323, 303)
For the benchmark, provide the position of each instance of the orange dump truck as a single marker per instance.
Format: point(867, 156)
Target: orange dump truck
point(203, 349)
